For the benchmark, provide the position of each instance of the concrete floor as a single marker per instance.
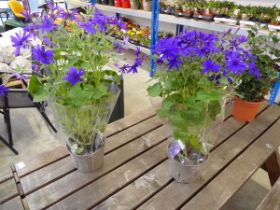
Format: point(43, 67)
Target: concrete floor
point(32, 136)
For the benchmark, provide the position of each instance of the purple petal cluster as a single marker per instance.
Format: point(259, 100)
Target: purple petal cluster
point(126, 68)
point(43, 56)
point(48, 25)
point(174, 149)
point(3, 90)
point(219, 56)
point(74, 75)
point(20, 40)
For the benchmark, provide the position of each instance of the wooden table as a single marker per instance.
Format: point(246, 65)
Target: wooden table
point(136, 173)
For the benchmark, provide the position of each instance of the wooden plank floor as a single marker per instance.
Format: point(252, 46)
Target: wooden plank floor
point(135, 174)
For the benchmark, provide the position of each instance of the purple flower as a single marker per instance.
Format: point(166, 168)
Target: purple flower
point(117, 47)
point(48, 42)
point(174, 149)
point(31, 29)
point(48, 25)
point(235, 64)
point(18, 76)
point(209, 66)
point(117, 22)
point(124, 68)
point(3, 90)
point(66, 15)
point(126, 41)
point(73, 76)
point(20, 40)
point(41, 55)
point(35, 68)
point(28, 15)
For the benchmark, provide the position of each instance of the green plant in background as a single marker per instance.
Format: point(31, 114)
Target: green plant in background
point(267, 57)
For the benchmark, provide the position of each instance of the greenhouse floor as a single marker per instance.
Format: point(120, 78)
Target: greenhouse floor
point(32, 136)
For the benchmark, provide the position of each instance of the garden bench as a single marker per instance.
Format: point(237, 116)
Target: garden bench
point(136, 175)
point(271, 201)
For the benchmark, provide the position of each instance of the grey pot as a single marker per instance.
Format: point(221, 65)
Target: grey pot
point(184, 173)
point(89, 163)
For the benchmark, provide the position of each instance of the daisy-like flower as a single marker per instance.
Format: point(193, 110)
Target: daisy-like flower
point(74, 75)
point(41, 55)
point(20, 40)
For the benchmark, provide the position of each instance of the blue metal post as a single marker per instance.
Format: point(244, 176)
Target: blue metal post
point(118, 15)
point(275, 91)
point(93, 2)
point(154, 34)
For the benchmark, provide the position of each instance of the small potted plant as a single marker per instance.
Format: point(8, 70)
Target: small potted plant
point(252, 90)
point(72, 73)
point(193, 87)
point(135, 4)
point(147, 5)
point(187, 9)
point(275, 20)
point(125, 3)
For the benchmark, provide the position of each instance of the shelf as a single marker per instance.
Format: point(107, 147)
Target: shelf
point(131, 46)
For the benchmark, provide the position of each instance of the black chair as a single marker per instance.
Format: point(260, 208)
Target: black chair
point(19, 98)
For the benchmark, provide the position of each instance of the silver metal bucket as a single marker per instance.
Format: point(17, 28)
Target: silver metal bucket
point(89, 163)
point(184, 173)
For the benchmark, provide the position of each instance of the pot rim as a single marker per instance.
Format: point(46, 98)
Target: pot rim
point(86, 155)
point(249, 102)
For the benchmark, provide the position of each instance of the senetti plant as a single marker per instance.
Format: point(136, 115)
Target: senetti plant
point(71, 69)
point(201, 69)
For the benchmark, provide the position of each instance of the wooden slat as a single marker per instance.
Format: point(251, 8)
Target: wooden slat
point(103, 187)
point(45, 158)
point(13, 204)
point(39, 161)
point(45, 175)
point(174, 195)
point(8, 190)
point(138, 191)
point(74, 181)
point(129, 121)
point(221, 189)
point(132, 196)
point(272, 199)
point(5, 173)
point(136, 131)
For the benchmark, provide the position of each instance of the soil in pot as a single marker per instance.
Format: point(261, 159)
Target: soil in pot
point(245, 111)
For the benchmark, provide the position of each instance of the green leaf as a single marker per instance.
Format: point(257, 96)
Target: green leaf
point(100, 92)
point(155, 90)
point(37, 89)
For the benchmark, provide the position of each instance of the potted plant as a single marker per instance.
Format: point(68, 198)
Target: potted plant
point(252, 90)
point(135, 4)
point(275, 20)
point(200, 69)
point(125, 3)
point(147, 5)
point(118, 3)
point(72, 72)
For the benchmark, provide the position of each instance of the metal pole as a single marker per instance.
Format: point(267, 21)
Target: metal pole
point(154, 34)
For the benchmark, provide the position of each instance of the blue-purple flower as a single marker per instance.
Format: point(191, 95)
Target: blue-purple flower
point(74, 75)
point(69, 15)
point(43, 56)
point(210, 66)
point(20, 40)
point(3, 90)
point(48, 25)
point(235, 63)
point(18, 76)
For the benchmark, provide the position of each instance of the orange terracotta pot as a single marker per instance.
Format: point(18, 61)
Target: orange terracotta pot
point(245, 111)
